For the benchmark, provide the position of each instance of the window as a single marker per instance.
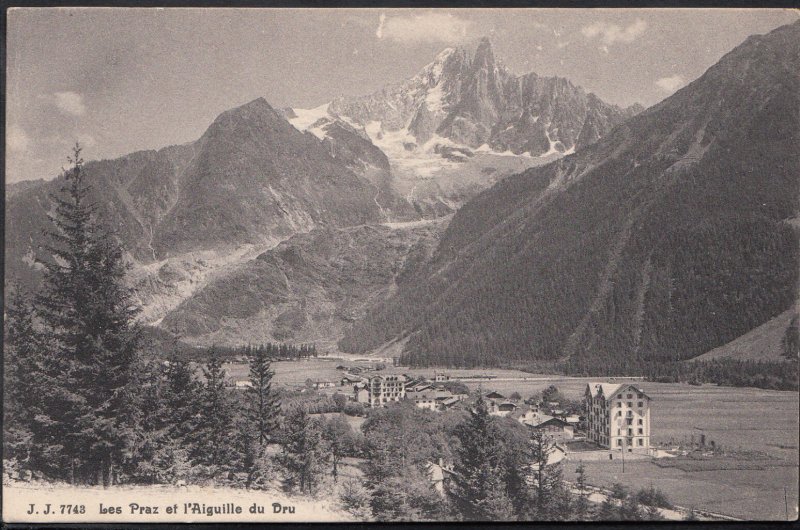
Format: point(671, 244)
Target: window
point(641, 431)
point(641, 396)
point(630, 396)
point(630, 432)
point(640, 422)
point(619, 431)
point(641, 404)
point(630, 404)
point(619, 443)
point(640, 441)
point(619, 396)
point(630, 421)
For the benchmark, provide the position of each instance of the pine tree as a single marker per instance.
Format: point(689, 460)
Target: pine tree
point(212, 437)
point(264, 409)
point(581, 503)
point(22, 377)
point(548, 485)
point(478, 490)
point(304, 453)
point(93, 342)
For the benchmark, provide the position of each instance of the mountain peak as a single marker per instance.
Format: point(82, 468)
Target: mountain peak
point(484, 54)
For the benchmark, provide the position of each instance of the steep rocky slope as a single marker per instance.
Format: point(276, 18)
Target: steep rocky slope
point(308, 288)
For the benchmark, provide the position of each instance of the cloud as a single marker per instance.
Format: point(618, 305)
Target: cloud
point(17, 140)
point(70, 103)
point(611, 33)
point(671, 84)
point(423, 28)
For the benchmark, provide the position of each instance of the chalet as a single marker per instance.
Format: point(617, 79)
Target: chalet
point(441, 377)
point(504, 408)
point(421, 386)
point(320, 383)
point(618, 416)
point(526, 415)
point(494, 396)
point(350, 379)
point(424, 400)
point(555, 428)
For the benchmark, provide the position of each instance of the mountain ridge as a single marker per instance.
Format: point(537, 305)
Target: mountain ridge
point(635, 249)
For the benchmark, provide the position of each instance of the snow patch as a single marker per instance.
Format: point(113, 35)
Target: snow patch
point(307, 117)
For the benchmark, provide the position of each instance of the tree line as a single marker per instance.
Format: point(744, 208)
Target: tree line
point(270, 350)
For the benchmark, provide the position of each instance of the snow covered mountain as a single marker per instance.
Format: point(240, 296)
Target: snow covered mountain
point(461, 113)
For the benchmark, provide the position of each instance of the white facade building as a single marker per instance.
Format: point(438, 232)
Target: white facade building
point(618, 416)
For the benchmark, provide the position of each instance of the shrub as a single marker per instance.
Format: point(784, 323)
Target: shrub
point(618, 491)
point(653, 497)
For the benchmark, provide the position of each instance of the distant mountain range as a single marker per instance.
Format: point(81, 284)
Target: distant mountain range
point(621, 235)
point(673, 234)
point(194, 217)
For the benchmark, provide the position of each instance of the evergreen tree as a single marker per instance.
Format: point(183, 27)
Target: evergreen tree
point(182, 394)
point(582, 502)
point(21, 380)
point(212, 437)
point(264, 409)
point(548, 486)
point(478, 490)
point(304, 453)
point(93, 342)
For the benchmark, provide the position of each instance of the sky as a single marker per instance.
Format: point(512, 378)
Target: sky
point(120, 80)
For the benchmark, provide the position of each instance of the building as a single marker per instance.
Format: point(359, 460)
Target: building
point(434, 399)
point(321, 383)
point(554, 428)
point(441, 377)
point(350, 379)
point(617, 416)
point(380, 390)
point(504, 408)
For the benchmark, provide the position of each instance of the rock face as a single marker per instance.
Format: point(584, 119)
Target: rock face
point(668, 237)
point(308, 288)
point(471, 99)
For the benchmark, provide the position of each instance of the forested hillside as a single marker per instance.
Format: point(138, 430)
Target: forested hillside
point(670, 236)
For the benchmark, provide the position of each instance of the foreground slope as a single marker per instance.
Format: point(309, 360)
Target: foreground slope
point(668, 237)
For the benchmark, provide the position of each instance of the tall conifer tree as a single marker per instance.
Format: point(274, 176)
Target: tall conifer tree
point(264, 410)
point(88, 316)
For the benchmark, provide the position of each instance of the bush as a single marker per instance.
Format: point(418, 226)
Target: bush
point(354, 409)
point(618, 491)
point(653, 497)
point(355, 500)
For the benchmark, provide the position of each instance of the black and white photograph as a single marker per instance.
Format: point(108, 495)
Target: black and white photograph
point(401, 264)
